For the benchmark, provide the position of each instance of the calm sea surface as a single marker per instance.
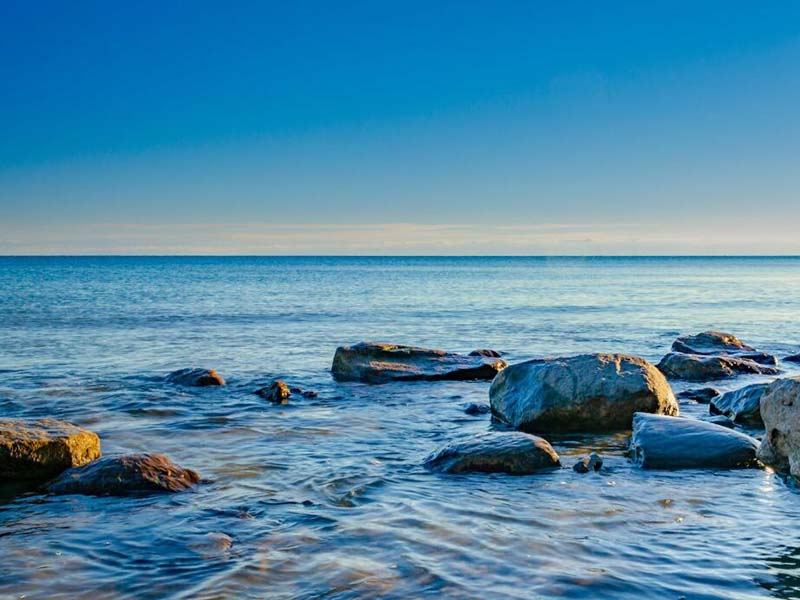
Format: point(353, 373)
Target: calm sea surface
point(326, 497)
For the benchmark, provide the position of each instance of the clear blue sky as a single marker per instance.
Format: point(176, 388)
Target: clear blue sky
point(400, 127)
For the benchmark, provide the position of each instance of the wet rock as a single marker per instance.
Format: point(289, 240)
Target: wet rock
point(477, 409)
point(780, 410)
point(509, 452)
point(590, 392)
point(696, 367)
point(710, 342)
point(194, 377)
point(741, 405)
point(593, 462)
point(380, 363)
point(304, 393)
point(277, 392)
point(36, 450)
point(487, 352)
point(699, 395)
point(795, 358)
point(719, 420)
point(130, 474)
point(661, 442)
point(761, 358)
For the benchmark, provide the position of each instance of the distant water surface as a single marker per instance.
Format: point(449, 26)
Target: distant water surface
point(326, 497)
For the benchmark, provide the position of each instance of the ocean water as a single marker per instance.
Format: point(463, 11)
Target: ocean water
point(326, 497)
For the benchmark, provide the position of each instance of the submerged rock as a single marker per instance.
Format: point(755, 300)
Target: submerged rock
point(700, 395)
point(33, 450)
point(780, 410)
point(477, 409)
point(741, 405)
point(697, 367)
point(194, 377)
point(488, 352)
point(125, 475)
point(590, 392)
point(372, 362)
point(661, 442)
point(277, 392)
point(793, 358)
point(710, 342)
point(509, 452)
point(593, 462)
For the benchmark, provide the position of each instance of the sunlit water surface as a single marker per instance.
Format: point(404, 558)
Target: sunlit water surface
point(327, 497)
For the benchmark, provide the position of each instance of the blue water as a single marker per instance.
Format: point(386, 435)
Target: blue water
point(326, 497)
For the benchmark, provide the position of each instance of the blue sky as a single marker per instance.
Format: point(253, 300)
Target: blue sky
point(400, 128)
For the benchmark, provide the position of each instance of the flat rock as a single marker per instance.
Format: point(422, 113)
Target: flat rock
point(589, 392)
point(194, 377)
point(780, 410)
point(131, 474)
point(741, 405)
point(700, 395)
point(697, 367)
point(34, 450)
point(372, 362)
point(710, 342)
point(661, 442)
point(509, 452)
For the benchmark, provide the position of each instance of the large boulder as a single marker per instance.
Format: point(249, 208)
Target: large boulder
point(780, 410)
point(509, 452)
point(589, 392)
point(34, 450)
point(131, 474)
point(195, 377)
point(661, 442)
point(373, 362)
point(698, 367)
point(741, 405)
point(710, 342)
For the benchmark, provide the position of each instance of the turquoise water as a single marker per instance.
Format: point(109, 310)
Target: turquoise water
point(326, 497)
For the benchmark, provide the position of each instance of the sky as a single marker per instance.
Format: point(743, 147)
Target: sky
point(469, 127)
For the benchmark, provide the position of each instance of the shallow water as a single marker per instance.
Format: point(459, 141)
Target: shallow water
point(326, 497)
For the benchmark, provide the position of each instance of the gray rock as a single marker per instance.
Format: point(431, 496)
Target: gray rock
point(590, 392)
point(277, 392)
point(37, 450)
point(696, 367)
point(661, 442)
point(780, 410)
point(710, 342)
point(125, 475)
point(741, 405)
point(593, 462)
point(761, 358)
point(372, 362)
point(699, 395)
point(195, 377)
point(477, 409)
point(509, 452)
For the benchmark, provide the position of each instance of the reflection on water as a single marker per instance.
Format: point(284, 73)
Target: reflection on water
point(326, 497)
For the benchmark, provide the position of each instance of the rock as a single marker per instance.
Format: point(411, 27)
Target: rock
point(593, 462)
point(719, 420)
point(661, 442)
point(304, 393)
point(700, 395)
point(194, 377)
point(125, 475)
point(780, 410)
point(590, 392)
point(793, 358)
point(509, 452)
point(277, 392)
point(34, 450)
point(487, 352)
point(379, 363)
point(741, 405)
point(696, 367)
point(710, 342)
point(477, 409)
point(761, 358)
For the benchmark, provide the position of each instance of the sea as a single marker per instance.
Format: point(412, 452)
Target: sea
point(327, 497)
